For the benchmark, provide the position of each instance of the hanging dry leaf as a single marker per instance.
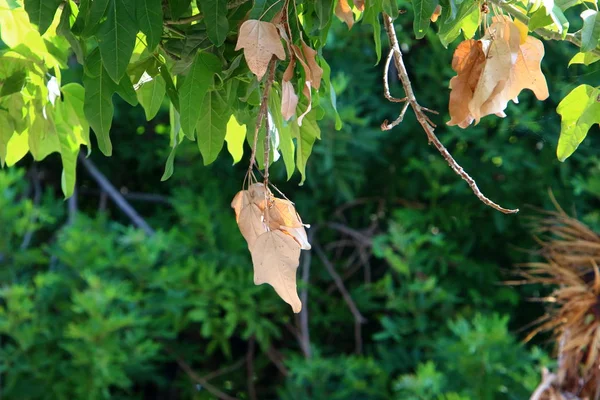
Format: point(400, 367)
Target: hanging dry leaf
point(299, 235)
point(283, 216)
point(360, 5)
point(289, 100)
point(259, 195)
point(276, 256)
point(241, 200)
point(260, 42)
point(468, 62)
point(436, 13)
point(493, 78)
point(316, 72)
point(523, 30)
point(251, 223)
point(344, 12)
point(527, 71)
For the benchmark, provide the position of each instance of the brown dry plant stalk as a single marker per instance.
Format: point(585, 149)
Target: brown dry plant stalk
point(571, 253)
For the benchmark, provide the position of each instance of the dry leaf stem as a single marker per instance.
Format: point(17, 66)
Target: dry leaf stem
point(545, 33)
point(424, 121)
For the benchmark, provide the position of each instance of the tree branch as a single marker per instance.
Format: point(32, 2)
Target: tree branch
point(424, 120)
point(115, 195)
point(358, 317)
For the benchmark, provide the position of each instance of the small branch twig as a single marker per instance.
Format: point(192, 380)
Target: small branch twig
point(358, 236)
point(262, 113)
point(225, 370)
point(358, 317)
point(424, 121)
point(196, 378)
point(115, 195)
point(276, 357)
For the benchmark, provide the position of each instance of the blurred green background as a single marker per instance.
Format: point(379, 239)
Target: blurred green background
point(92, 308)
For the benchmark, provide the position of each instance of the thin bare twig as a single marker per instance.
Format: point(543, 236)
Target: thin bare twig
point(250, 368)
point(225, 370)
point(426, 123)
point(115, 195)
point(276, 357)
point(196, 378)
point(358, 317)
point(262, 112)
point(358, 236)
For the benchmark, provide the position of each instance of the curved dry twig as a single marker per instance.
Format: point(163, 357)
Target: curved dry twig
point(423, 120)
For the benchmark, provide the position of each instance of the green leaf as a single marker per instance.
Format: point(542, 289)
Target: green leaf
point(64, 29)
point(286, 145)
point(151, 96)
point(126, 91)
point(371, 16)
point(390, 7)
point(265, 10)
point(17, 148)
point(584, 58)
point(423, 10)
point(215, 18)
point(450, 29)
point(324, 10)
point(41, 12)
point(553, 20)
point(6, 131)
point(330, 91)
point(13, 84)
point(579, 110)
point(116, 39)
point(305, 135)
point(150, 20)
point(169, 164)
point(98, 106)
point(178, 7)
point(236, 133)
point(94, 15)
point(590, 32)
point(194, 88)
point(212, 125)
point(170, 87)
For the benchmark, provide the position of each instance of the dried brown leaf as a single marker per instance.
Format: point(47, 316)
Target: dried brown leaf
point(283, 216)
point(260, 42)
point(276, 256)
point(527, 72)
point(436, 13)
point(258, 195)
point(316, 72)
point(241, 200)
point(468, 62)
point(344, 12)
point(251, 223)
point(289, 100)
point(360, 5)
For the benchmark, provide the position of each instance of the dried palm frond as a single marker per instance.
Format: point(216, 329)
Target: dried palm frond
point(572, 253)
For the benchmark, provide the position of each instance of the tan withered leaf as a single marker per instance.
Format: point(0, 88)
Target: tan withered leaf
point(283, 216)
point(493, 78)
point(468, 62)
point(260, 42)
point(316, 72)
point(527, 71)
point(289, 100)
point(251, 223)
point(344, 12)
point(241, 200)
point(360, 4)
point(275, 257)
point(258, 195)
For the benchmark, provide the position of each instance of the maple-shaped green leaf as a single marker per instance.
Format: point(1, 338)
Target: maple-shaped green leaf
point(590, 31)
point(126, 91)
point(584, 58)
point(371, 16)
point(466, 20)
point(194, 88)
point(6, 131)
point(212, 125)
point(116, 39)
point(64, 29)
point(178, 7)
point(41, 12)
point(423, 10)
point(90, 17)
point(151, 95)
point(305, 136)
point(324, 10)
point(579, 110)
point(149, 16)
point(215, 18)
point(12, 84)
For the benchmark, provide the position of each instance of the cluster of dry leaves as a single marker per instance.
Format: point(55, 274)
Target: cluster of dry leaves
point(275, 235)
point(493, 70)
point(261, 41)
